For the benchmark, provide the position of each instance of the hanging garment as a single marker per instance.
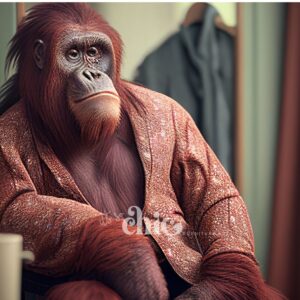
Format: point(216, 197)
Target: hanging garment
point(196, 68)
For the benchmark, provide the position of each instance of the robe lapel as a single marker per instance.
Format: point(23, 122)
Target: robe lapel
point(60, 173)
point(141, 131)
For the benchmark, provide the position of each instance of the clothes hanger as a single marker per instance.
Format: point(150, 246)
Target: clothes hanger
point(196, 13)
point(20, 11)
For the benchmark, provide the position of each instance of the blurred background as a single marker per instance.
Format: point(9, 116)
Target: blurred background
point(236, 68)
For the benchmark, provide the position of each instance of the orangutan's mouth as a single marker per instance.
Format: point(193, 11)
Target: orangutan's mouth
point(108, 94)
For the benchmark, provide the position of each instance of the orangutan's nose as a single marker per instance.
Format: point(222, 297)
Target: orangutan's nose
point(91, 74)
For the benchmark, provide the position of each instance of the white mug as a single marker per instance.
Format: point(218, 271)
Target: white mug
point(11, 256)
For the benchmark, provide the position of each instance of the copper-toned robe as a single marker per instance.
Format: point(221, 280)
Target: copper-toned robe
point(184, 183)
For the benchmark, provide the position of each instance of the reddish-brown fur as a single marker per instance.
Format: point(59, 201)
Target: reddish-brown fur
point(122, 262)
point(83, 290)
point(123, 259)
point(234, 276)
point(119, 180)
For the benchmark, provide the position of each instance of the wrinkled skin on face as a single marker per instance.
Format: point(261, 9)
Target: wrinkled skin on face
point(86, 61)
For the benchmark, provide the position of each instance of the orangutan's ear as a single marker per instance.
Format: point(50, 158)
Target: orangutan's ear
point(39, 53)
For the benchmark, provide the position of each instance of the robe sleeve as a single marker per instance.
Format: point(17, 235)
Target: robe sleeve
point(210, 202)
point(50, 226)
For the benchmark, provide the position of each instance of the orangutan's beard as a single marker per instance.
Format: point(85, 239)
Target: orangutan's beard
point(98, 117)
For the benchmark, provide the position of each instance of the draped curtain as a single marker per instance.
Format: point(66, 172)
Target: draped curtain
point(262, 26)
point(284, 270)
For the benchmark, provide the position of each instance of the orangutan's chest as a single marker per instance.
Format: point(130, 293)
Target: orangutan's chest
point(113, 184)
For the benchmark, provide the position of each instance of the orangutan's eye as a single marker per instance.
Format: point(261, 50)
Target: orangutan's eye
point(92, 52)
point(73, 54)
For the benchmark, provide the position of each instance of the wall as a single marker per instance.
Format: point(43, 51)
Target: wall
point(7, 29)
